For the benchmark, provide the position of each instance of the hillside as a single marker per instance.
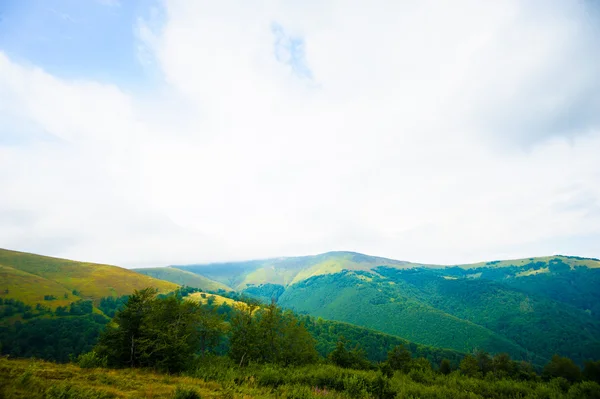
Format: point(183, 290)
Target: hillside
point(183, 277)
point(364, 300)
point(54, 308)
point(524, 307)
point(29, 277)
point(286, 271)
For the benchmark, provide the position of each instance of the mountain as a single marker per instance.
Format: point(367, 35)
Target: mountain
point(525, 307)
point(183, 277)
point(287, 271)
point(31, 278)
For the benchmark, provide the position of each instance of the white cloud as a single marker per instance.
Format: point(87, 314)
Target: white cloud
point(430, 131)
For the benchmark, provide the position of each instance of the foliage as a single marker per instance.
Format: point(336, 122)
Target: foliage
point(445, 367)
point(562, 367)
point(55, 339)
point(355, 358)
point(155, 332)
point(269, 335)
point(91, 360)
point(221, 377)
point(591, 371)
point(399, 358)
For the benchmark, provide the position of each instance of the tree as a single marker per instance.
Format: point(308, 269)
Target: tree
point(445, 367)
point(163, 333)
point(562, 367)
point(243, 337)
point(591, 371)
point(469, 366)
point(399, 358)
point(502, 365)
point(268, 335)
point(484, 361)
point(355, 358)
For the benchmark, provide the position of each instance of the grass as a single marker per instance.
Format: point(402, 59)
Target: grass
point(31, 289)
point(571, 261)
point(39, 379)
point(202, 297)
point(183, 277)
point(27, 276)
point(219, 378)
point(35, 379)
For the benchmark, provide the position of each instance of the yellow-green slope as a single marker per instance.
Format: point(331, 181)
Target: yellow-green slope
point(183, 277)
point(27, 277)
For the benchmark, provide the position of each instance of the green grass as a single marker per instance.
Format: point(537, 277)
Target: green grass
point(182, 277)
point(219, 378)
point(31, 289)
point(23, 272)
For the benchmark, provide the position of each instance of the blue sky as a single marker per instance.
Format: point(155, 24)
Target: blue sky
point(172, 131)
point(76, 39)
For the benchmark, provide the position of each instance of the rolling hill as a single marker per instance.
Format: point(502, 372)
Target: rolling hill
point(526, 307)
point(287, 271)
point(183, 277)
point(29, 278)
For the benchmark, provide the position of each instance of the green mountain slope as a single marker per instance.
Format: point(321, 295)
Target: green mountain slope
point(27, 277)
point(183, 277)
point(535, 322)
point(531, 307)
point(571, 280)
point(367, 300)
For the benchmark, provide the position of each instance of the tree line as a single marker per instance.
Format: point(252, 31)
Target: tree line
point(170, 333)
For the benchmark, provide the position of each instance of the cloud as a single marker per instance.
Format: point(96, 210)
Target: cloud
point(442, 132)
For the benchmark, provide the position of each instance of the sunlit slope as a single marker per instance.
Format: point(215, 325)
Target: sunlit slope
point(23, 272)
point(29, 288)
point(204, 298)
point(183, 277)
point(286, 271)
point(537, 262)
point(291, 270)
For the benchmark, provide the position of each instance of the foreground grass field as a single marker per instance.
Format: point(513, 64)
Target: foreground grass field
point(220, 378)
point(39, 379)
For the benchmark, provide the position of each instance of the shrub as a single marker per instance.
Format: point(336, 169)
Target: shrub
point(299, 392)
point(355, 387)
point(185, 393)
point(91, 360)
point(585, 390)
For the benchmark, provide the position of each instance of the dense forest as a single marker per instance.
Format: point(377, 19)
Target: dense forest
point(253, 343)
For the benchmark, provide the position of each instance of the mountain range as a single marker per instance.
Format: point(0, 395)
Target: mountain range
point(529, 308)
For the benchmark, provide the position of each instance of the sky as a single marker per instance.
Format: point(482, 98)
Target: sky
point(148, 133)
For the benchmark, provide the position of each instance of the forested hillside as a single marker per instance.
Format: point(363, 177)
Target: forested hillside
point(525, 306)
point(163, 346)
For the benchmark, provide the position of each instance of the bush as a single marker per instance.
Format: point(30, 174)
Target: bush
point(299, 392)
point(585, 390)
point(355, 387)
point(185, 393)
point(91, 360)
